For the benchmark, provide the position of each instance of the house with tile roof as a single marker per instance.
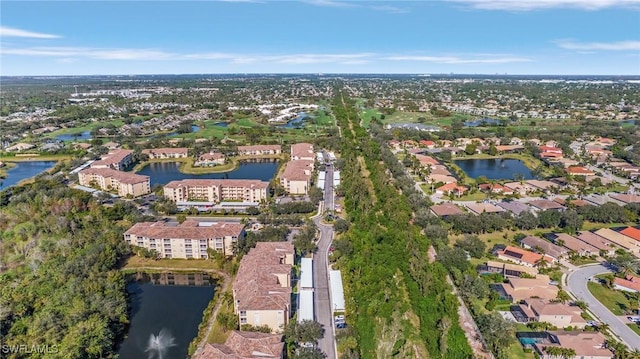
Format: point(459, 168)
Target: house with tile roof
point(262, 288)
point(522, 256)
point(590, 345)
point(559, 315)
point(550, 249)
point(245, 345)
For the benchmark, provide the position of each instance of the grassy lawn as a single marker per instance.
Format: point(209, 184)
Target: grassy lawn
point(426, 188)
point(412, 117)
point(478, 196)
point(635, 328)
point(83, 128)
point(320, 118)
point(588, 226)
point(367, 114)
point(615, 301)
point(136, 262)
point(35, 157)
point(517, 351)
point(218, 335)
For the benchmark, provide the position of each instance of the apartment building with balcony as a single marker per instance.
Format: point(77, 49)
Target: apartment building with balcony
point(107, 179)
point(191, 239)
point(216, 190)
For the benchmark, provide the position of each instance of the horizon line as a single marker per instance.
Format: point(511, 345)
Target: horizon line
point(328, 73)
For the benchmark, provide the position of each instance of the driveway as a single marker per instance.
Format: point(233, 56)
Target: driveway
point(577, 285)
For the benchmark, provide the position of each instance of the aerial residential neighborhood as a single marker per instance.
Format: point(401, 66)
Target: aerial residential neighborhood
point(320, 179)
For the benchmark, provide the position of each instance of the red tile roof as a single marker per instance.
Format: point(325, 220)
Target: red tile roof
point(523, 255)
point(630, 282)
point(244, 345)
point(186, 230)
point(632, 232)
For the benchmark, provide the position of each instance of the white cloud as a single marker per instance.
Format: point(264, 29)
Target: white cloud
point(238, 58)
point(390, 9)
point(93, 53)
point(629, 45)
point(317, 58)
point(13, 32)
point(527, 5)
point(459, 60)
point(331, 3)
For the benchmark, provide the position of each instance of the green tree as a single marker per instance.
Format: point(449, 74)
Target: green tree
point(497, 332)
point(306, 331)
point(470, 149)
point(309, 353)
point(181, 217)
point(473, 245)
point(227, 320)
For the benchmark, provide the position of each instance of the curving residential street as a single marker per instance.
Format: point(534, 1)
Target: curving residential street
point(577, 285)
point(322, 298)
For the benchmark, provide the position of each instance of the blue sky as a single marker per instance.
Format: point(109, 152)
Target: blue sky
point(600, 37)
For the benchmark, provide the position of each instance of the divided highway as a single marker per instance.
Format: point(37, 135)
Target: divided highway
point(577, 283)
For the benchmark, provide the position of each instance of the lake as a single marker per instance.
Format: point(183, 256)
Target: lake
point(74, 136)
point(221, 124)
point(297, 122)
point(165, 172)
point(165, 312)
point(495, 168)
point(25, 170)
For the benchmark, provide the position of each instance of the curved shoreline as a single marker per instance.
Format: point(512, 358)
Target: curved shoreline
point(186, 164)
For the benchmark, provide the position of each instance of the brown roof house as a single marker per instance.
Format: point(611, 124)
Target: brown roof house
point(446, 210)
point(523, 288)
point(589, 345)
point(262, 288)
point(559, 315)
point(550, 249)
point(245, 345)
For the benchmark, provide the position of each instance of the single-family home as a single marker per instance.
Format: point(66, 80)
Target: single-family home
point(559, 315)
point(549, 249)
point(522, 256)
point(586, 345)
point(628, 284)
point(522, 288)
point(446, 209)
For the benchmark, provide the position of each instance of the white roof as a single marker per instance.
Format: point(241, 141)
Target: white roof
point(336, 175)
point(305, 310)
point(306, 273)
point(320, 184)
point(337, 292)
point(322, 175)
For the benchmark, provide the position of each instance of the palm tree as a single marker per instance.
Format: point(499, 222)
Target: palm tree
point(541, 263)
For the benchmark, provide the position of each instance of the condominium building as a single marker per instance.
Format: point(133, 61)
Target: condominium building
point(117, 160)
point(259, 150)
point(125, 183)
point(302, 151)
point(168, 152)
point(241, 345)
point(210, 159)
point(191, 239)
point(216, 190)
point(296, 178)
point(262, 288)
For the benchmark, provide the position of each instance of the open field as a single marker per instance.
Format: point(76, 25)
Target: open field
point(616, 301)
point(413, 117)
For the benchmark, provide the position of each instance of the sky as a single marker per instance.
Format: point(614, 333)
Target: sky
point(536, 37)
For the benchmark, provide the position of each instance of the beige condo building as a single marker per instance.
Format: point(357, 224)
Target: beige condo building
point(125, 183)
point(262, 288)
point(191, 239)
point(216, 190)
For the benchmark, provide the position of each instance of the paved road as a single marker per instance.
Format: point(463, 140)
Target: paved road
point(324, 314)
point(577, 283)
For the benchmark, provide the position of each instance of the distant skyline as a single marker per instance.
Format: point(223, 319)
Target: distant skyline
point(529, 37)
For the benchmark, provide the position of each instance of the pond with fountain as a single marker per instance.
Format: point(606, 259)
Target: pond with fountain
point(165, 312)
